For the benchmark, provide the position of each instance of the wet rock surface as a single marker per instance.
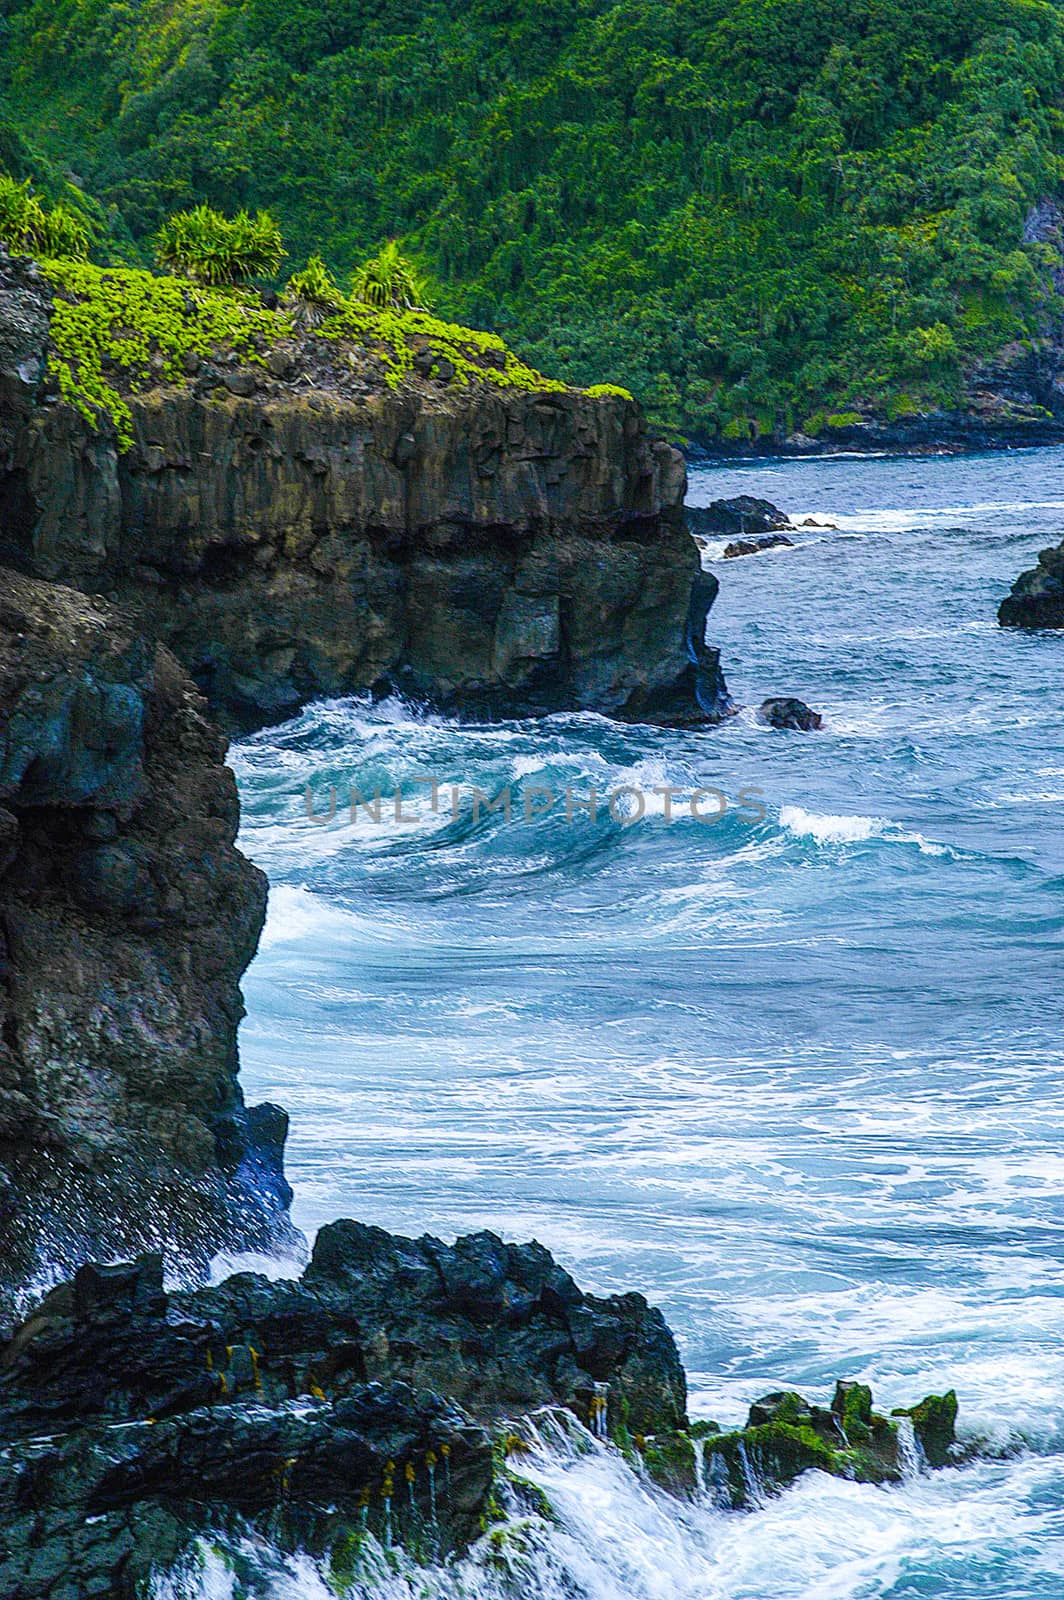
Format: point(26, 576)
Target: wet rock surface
point(745, 516)
point(785, 711)
point(127, 916)
point(1037, 597)
point(699, 695)
point(356, 1399)
point(785, 1436)
point(753, 547)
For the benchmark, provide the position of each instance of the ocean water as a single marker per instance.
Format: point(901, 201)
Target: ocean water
point(796, 1073)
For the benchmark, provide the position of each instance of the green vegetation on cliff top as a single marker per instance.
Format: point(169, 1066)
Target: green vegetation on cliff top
point(118, 330)
point(750, 211)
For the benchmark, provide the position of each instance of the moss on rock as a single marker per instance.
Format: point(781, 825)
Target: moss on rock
point(934, 1420)
point(785, 1436)
point(669, 1459)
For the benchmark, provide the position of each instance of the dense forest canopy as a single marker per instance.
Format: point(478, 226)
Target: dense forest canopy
point(754, 213)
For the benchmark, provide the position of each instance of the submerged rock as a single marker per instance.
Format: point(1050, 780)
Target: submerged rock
point(127, 916)
point(356, 1399)
point(751, 547)
point(784, 711)
point(1037, 597)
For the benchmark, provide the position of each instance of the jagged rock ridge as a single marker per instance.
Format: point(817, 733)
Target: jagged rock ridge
point(310, 1411)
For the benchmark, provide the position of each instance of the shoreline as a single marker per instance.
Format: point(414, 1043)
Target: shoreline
point(865, 442)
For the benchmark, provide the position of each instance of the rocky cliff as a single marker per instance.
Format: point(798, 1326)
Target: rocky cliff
point(292, 526)
point(126, 919)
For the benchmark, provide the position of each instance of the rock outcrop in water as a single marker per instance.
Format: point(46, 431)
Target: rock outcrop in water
point(745, 517)
point(1037, 597)
point(126, 919)
point(786, 711)
point(785, 1436)
point(753, 547)
point(299, 528)
point(357, 1400)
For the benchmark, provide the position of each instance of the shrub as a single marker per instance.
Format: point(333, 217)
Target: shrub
point(737, 429)
point(389, 282)
point(26, 225)
point(312, 295)
point(901, 405)
point(843, 419)
point(219, 251)
point(933, 344)
point(605, 390)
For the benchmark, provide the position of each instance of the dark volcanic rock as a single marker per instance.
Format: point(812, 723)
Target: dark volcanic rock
point(751, 547)
point(310, 1409)
point(1037, 596)
point(493, 552)
point(744, 516)
point(699, 695)
point(784, 711)
point(785, 1436)
point(126, 919)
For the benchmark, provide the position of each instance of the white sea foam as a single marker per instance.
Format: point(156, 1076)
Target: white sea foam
point(612, 1536)
point(297, 914)
point(830, 829)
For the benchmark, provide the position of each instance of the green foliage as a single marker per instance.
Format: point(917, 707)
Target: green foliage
point(843, 419)
point(388, 282)
point(312, 295)
point(26, 225)
point(604, 390)
point(117, 331)
point(107, 326)
point(216, 250)
point(460, 355)
point(742, 209)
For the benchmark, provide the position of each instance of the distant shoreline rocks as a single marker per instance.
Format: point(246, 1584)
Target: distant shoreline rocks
point(1036, 599)
point(752, 547)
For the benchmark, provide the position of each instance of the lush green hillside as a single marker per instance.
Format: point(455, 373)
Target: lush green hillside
point(748, 211)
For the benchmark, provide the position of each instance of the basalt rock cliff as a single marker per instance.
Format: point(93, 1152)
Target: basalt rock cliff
point(294, 527)
point(283, 528)
point(126, 919)
point(279, 529)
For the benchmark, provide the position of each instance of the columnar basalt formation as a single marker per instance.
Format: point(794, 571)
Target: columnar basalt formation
point(296, 528)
